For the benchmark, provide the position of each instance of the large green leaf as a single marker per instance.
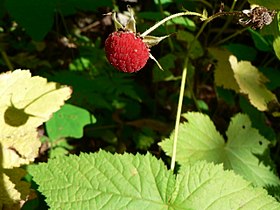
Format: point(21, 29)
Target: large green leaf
point(106, 181)
point(35, 16)
point(199, 140)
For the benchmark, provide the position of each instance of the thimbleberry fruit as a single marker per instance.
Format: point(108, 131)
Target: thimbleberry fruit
point(126, 51)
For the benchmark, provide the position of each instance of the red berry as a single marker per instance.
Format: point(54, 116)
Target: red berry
point(126, 52)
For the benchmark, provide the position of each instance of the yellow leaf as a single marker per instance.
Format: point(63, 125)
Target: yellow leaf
point(26, 102)
point(12, 188)
point(252, 82)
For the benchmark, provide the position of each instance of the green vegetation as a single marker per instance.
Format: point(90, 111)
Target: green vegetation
point(200, 133)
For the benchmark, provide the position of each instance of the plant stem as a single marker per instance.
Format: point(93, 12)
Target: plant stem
point(183, 81)
point(178, 115)
point(169, 18)
point(166, 29)
point(185, 68)
point(231, 36)
point(7, 60)
point(182, 90)
point(226, 23)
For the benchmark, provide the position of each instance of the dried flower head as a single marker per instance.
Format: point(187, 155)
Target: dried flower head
point(257, 17)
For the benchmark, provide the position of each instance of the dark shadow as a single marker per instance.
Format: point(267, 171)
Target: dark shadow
point(5, 199)
point(15, 117)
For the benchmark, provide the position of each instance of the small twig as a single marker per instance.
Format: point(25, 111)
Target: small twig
point(7, 60)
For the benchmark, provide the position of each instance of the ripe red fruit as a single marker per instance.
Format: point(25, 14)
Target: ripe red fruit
point(126, 51)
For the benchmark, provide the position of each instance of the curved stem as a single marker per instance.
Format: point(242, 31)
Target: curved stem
point(169, 18)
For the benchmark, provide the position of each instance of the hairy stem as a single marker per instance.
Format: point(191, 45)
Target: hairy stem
point(185, 68)
point(182, 89)
point(169, 18)
point(178, 115)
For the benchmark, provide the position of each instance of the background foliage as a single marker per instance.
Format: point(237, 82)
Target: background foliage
point(232, 81)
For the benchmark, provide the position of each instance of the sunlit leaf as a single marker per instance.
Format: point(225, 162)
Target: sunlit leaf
point(272, 4)
point(199, 140)
point(251, 82)
point(276, 47)
point(26, 102)
point(188, 23)
point(106, 181)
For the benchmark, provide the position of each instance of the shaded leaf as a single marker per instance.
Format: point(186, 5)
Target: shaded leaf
point(69, 121)
point(39, 19)
point(196, 50)
point(37, 16)
point(260, 42)
point(242, 52)
point(168, 61)
point(223, 72)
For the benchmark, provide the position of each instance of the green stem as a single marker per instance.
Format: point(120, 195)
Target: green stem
point(185, 68)
point(182, 90)
point(169, 18)
point(193, 95)
point(178, 115)
point(231, 36)
point(206, 3)
point(166, 29)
